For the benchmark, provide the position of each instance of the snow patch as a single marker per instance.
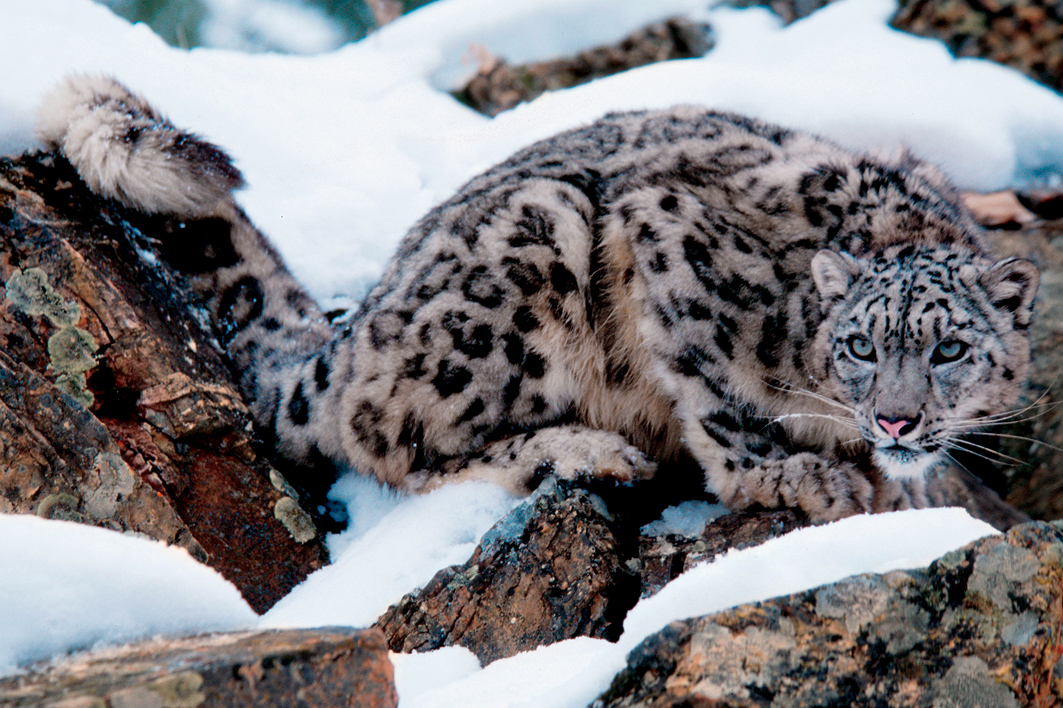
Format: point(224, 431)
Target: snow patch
point(67, 586)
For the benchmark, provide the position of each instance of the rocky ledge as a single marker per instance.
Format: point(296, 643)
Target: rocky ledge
point(117, 409)
point(980, 627)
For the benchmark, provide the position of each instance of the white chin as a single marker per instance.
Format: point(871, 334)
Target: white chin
point(904, 464)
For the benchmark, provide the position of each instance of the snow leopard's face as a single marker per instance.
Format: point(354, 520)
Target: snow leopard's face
point(922, 345)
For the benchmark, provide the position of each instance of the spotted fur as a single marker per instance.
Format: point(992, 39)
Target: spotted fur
point(813, 326)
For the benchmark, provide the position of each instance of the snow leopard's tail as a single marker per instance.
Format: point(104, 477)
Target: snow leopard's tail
point(126, 150)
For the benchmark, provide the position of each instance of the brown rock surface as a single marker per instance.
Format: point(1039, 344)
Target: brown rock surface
point(979, 627)
point(1029, 448)
point(499, 86)
point(117, 408)
point(324, 668)
point(561, 566)
point(788, 10)
point(550, 570)
point(664, 558)
point(1024, 34)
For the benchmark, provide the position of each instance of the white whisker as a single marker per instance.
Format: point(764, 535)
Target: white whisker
point(1013, 416)
point(971, 447)
point(988, 459)
point(958, 463)
point(789, 388)
point(1023, 438)
point(847, 422)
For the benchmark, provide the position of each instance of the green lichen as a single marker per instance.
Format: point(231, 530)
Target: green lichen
point(113, 482)
point(180, 690)
point(463, 578)
point(298, 522)
point(281, 484)
point(33, 294)
point(71, 350)
point(63, 507)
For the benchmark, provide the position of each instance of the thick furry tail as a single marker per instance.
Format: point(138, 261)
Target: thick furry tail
point(126, 150)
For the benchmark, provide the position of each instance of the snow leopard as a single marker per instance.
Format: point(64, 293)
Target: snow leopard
point(815, 327)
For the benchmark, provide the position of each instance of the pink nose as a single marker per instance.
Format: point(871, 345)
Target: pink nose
point(893, 427)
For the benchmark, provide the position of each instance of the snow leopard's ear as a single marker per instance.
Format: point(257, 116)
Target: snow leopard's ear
point(1011, 285)
point(833, 273)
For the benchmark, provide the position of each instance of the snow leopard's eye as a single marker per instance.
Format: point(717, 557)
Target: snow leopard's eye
point(861, 348)
point(945, 352)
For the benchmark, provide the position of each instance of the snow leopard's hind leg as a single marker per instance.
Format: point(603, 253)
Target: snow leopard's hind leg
point(271, 329)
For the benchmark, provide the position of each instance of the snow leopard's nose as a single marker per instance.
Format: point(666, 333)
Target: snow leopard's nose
point(898, 427)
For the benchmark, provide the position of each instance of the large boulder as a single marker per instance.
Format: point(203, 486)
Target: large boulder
point(979, 627)
point(551, 570)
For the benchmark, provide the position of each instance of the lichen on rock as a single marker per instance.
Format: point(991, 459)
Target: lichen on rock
point(71, 350)
point(295, 520)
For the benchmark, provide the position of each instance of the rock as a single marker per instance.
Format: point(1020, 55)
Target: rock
point(323, 668)
point(979, 627)
point(1024, 34)
point(664, 558)
point(1028, 445)
point(550, 570)
point(788, 10)
point(1045, 203)
point(999, 210)
point(561, 566)
point(117, 408)
point(499, 86)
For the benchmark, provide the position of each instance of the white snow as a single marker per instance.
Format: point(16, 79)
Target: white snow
point(400, 552)
point(343, 151)
point(269, 25)
point(686, 519)
point(67, 586)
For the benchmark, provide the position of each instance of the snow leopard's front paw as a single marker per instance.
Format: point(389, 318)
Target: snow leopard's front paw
point(573, 452)
point(520, 463)
point(825, 490)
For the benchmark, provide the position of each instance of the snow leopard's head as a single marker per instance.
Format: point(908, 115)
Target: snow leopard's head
point(923, 345)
